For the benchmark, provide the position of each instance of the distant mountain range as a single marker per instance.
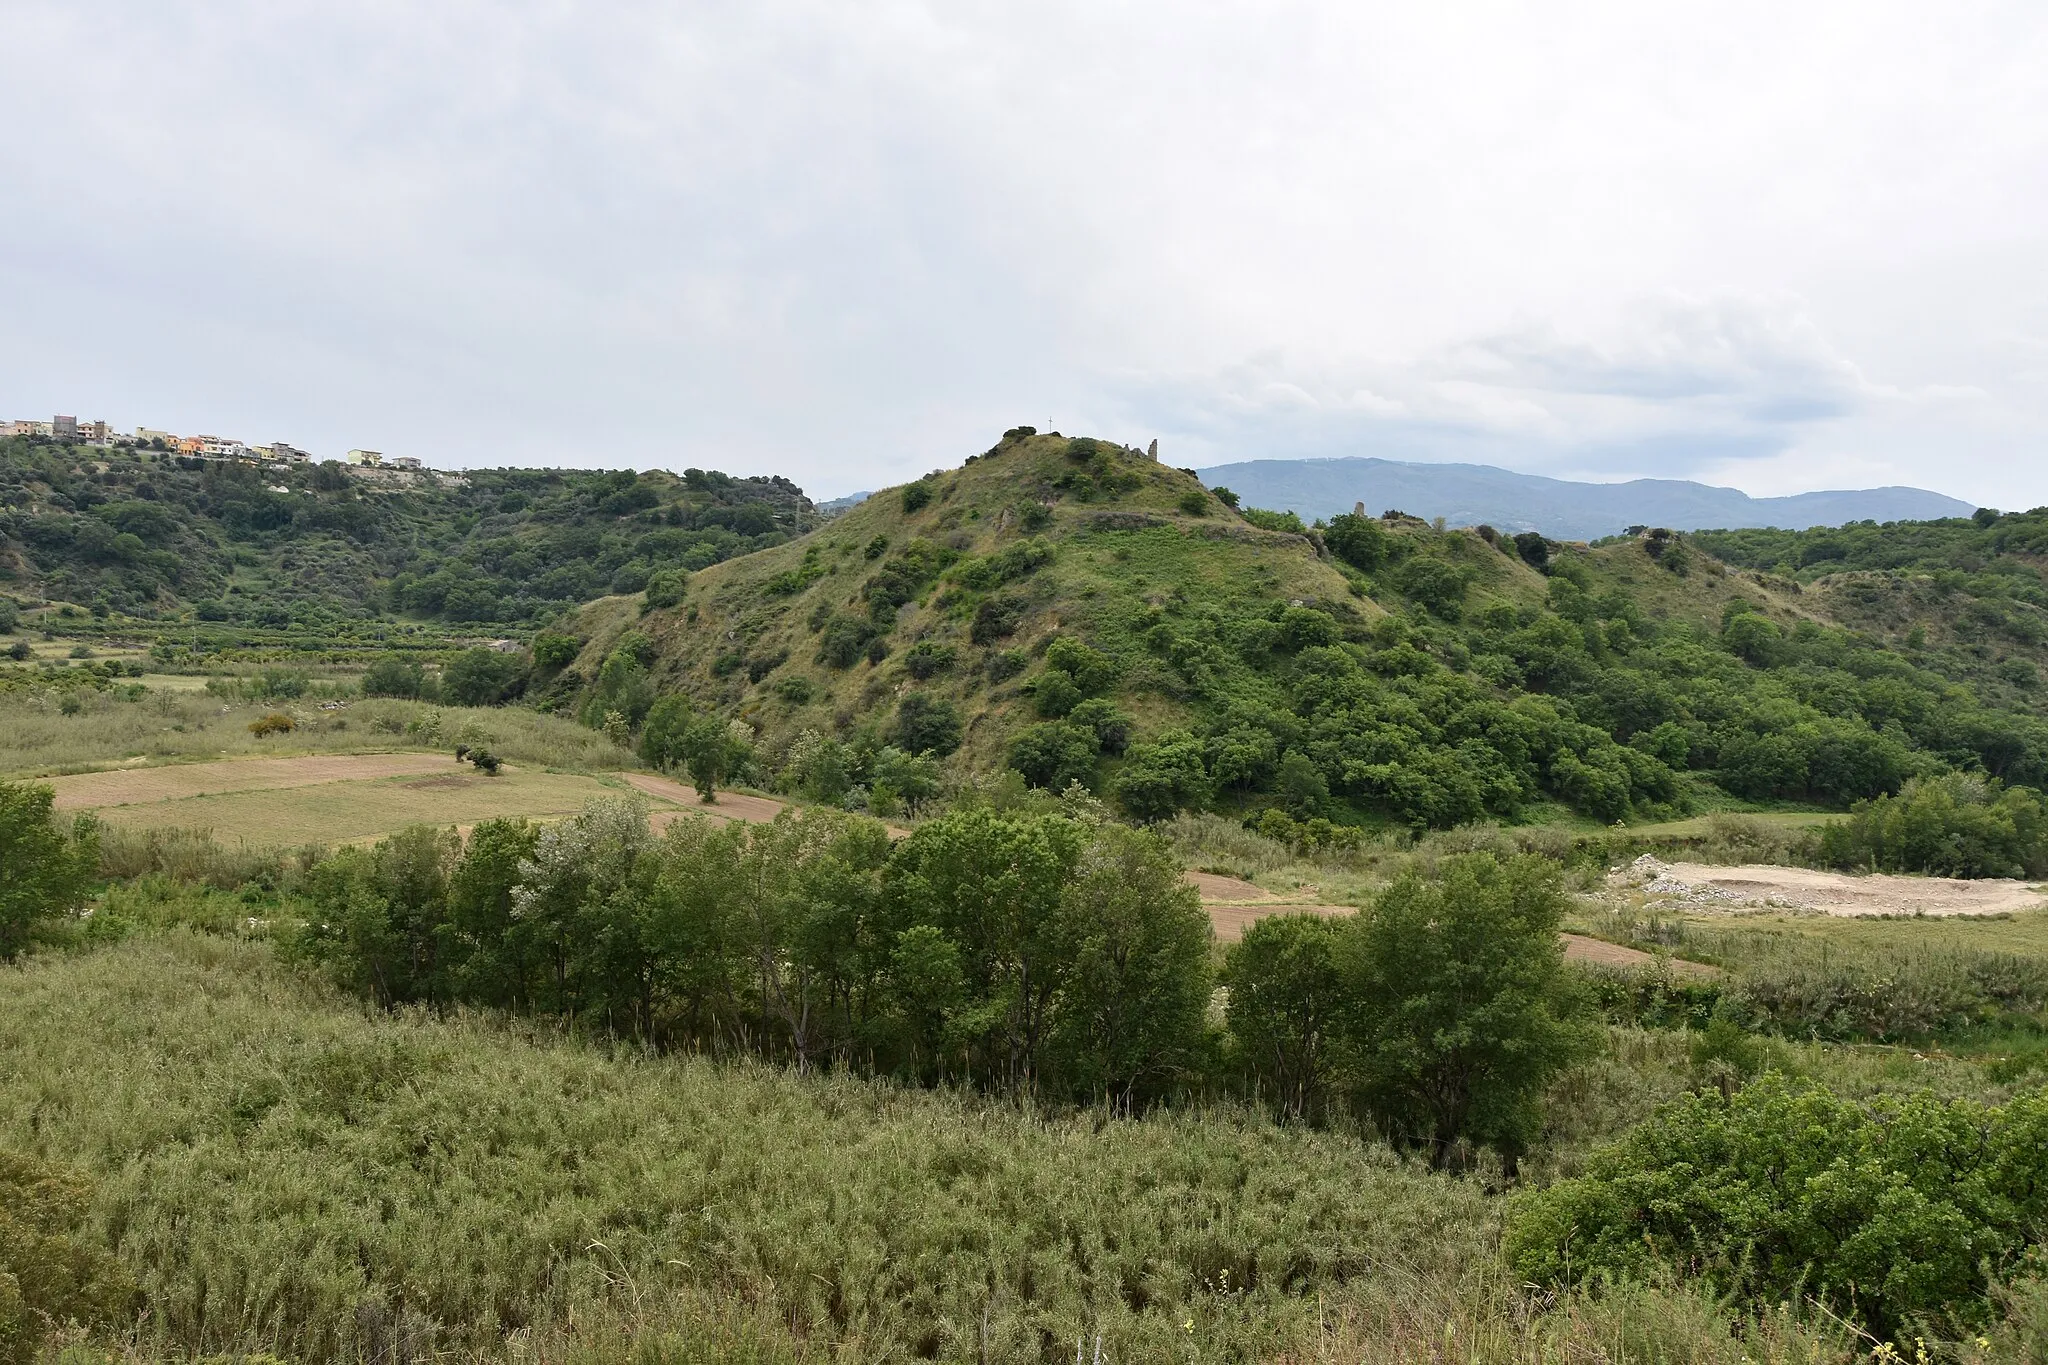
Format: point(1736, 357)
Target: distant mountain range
point(838, 505)
point(1475, 494)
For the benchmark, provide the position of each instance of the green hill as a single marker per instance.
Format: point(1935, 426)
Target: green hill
point(163, 538)
point(1075, 611)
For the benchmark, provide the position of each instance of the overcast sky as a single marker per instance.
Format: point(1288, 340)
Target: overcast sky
point(1779, 246)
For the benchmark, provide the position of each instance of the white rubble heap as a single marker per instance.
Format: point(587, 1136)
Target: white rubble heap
point(1652, 876)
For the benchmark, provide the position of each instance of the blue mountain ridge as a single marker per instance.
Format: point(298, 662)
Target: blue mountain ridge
point(1474, 494)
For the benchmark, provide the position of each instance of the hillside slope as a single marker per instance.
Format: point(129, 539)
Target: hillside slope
point(159, 537)
point(1471, 495)
point(953, 597)
point(1074, 611)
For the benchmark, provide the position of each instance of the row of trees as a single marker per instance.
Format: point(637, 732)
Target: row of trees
point(1059, 955)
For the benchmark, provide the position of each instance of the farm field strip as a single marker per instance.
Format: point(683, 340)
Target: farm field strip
point(342, 811)
point(180, 781)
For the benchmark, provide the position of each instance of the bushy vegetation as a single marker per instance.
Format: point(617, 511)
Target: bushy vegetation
point(1954, 826)
point(150, 534)
point(51, 1276)
point(1899, 1213)
point(397, 1186)
point(45, 867)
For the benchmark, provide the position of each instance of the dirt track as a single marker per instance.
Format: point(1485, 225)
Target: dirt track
point(753, 810)
point(173, 782)
point(1598, 951)
point(1836, 893)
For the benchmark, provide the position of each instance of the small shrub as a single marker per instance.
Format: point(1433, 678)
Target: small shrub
point(1194, 502)
point(917, 496)
point(665, 588)
point(928, 658)
point(276, 723)
point(553, 650)
point(995, 619)
point(794, 689)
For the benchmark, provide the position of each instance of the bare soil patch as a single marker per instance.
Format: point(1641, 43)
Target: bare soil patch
point(178, 781)
point(1230, 920)
point(1601, 953)
point(1836, 893)
point(753, 810)
point(1215, 887)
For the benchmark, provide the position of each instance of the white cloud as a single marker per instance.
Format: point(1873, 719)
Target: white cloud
point(850, 242)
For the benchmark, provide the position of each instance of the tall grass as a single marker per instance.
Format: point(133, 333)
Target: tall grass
point(197, 856)
point(286, 1172)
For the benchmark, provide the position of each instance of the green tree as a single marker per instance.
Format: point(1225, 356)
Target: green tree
point(1462, 1011)
point(926, 724)
point(912, 779)
point(394, 675)
point(1302, 785)
point(1054, 753)
point(1359, 541)
point(1135, 949)
point(1163, 777)
point(1288, 1005)
point(994, 885)
point(711, 752)
point(47, 870)
point(480, 677)
point(662, 738)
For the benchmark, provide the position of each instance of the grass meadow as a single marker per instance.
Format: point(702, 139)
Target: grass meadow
point(285, 1171)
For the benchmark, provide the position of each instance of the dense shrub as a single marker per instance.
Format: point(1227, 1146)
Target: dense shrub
point(45, 870)
point(1954, 826)
point(994, 619)
point(666, 588)
point(927, 659)
point(51, 1271)
point(926, 724)
point(553, 650)
point(844, 640)
point(1054, 754)
point(1359, 541)
point(481, 677)
point(394, 675)
point(916, 496)
point(1893, 1212)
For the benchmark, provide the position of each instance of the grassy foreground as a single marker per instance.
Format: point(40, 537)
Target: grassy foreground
point(284, 1171)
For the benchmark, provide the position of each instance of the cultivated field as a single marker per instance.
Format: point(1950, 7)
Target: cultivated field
point(143, 725)
point(327, 799)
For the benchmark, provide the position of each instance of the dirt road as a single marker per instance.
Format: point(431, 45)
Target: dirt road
point(1705, 887)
